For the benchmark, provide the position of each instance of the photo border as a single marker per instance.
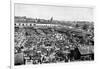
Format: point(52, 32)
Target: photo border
point(12, 6)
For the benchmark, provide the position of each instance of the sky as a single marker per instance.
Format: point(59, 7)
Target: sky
point(66, 13)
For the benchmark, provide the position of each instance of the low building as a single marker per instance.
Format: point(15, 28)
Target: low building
point(82, 53)
point(18, 59)
point(87, 52)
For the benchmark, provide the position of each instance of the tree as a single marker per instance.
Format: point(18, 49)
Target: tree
point(77, 25)
point(85, 27)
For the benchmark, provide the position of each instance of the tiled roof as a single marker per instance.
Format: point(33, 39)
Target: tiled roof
point(86, 50)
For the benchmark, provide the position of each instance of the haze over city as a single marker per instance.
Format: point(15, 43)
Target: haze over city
point(66, 13)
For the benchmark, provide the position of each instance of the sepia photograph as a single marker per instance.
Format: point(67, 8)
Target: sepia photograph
point(45, 34)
